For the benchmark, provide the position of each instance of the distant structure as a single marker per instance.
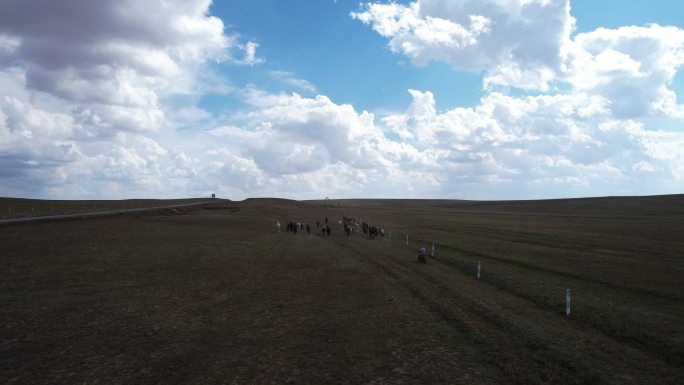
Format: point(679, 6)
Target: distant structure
point(326, 202)
point(213, 195)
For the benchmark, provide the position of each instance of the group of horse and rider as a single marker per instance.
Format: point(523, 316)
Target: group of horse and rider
point(350, 225)
point(293, 227)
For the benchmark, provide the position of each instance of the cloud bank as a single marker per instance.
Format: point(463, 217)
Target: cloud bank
point(91, 109)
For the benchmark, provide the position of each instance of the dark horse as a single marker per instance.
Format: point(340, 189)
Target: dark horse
point(325, 230)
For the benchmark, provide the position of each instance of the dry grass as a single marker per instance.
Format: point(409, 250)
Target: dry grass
point(216, 295)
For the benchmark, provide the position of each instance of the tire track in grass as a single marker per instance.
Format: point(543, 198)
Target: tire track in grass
point(509, 338)
point(581, 277)
point(556, 241)
point(641, 343)
point(490, 336)
point(666, 350)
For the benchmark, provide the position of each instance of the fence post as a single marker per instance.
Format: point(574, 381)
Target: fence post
point(407, 238)
point(478, 269)
point(567, 302)
point(433, 249)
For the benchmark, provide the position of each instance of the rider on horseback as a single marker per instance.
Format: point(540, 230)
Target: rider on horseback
point(422, 254)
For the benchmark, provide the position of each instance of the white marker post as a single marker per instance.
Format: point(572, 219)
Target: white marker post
point(390, 236)
point(478, 269)
point(407, 238)
point(433, 249)
point(567, 302)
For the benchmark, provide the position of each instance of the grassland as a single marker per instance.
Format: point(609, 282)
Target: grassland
point(217, 295)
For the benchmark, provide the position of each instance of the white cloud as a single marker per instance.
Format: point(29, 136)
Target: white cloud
point(290, 79)
point(82, 81)
point(107, 107)
point(517, 43)
point(250, 54)
point(294, 135)
point(568, 138)
point(529, 45)
point(589, 133)
point(630, 66)
point(116, 59)
point(506, 147)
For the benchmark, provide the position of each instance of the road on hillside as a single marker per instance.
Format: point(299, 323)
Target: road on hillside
point(100, 213)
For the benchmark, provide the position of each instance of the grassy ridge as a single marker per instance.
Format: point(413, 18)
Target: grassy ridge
point(22, 208)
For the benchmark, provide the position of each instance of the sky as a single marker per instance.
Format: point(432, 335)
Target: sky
point(303, 99)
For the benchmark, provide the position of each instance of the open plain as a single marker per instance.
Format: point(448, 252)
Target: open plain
point(215, 294)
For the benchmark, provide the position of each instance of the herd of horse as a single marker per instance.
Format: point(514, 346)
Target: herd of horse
point(350, 225)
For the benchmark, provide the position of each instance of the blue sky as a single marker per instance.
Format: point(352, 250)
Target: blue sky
point(319, 42)
point(467, 99)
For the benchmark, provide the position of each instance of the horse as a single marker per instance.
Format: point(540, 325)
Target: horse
point(372, 232)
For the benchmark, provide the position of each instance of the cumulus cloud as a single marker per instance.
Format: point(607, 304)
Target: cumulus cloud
point(529, 45)
point(513, 147)
point(94, 104)
point(124, 50)
point(589, 129)
point(517, 43)
point(293, 134)
point(83, 80)
point(631, 66)
point(569, 140)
